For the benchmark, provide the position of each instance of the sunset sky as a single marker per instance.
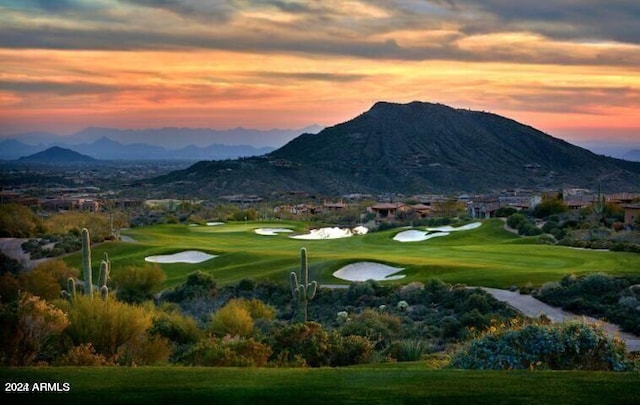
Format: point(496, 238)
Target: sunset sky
point(568, 67)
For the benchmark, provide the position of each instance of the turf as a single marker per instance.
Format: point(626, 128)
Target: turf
point(392, 384)
point(487, 256)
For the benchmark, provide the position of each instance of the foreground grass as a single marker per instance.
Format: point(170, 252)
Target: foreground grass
point(387, 384)
point(487, 256)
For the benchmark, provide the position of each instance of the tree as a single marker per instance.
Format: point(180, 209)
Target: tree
point(550, 206)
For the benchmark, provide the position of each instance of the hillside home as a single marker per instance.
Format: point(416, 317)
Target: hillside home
point(631, 214)
point(387, 210)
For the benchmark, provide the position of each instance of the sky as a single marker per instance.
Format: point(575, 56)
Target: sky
point(568, 67)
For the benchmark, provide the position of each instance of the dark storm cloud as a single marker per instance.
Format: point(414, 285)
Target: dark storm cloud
point(589, 20)
point(324, 28)
point(66, 88)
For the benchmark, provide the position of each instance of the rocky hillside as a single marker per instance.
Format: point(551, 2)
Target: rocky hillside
point(413, 148)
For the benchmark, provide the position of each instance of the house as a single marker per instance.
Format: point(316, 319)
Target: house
point(631, 214)
point(387, 210)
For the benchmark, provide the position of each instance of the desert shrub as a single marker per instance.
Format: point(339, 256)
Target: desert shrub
point(81, 356)
point(135, 284)
point(257, 309)
point(73, 221)
point(28, 325)
point(307, 341)
point(144, 350)
point(18, 221)
point(9, 287)
point(47, 279)
point(227, 352)
point(9, 265)
point(176, 327)
point(567, 346)
point(409, 349)
point(111, 326)
point(232, 319)
point(198, 285)
point(379, 328)
point(349, 350)
point(598, 295)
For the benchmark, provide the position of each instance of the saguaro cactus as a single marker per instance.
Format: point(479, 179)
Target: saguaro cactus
point(86, 263)
point(301, 289)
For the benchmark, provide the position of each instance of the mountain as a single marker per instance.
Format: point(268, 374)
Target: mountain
point(154, 144)
point(12, 149)
point(412, 148)
point(632, 155)
point(56, 155)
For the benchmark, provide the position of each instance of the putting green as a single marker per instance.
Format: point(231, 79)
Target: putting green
point(487, 256)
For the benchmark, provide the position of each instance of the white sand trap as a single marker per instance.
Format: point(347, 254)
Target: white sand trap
point(188, 256)
point(449, 228)
point(360, 230)
point(272, 231)
point(417, 236)
point(363, 271)
point(325, 233)
point(214, 223)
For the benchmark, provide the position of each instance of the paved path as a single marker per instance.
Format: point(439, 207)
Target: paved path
point(533, 308)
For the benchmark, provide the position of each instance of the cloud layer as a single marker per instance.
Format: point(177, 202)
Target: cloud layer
point(290, 63)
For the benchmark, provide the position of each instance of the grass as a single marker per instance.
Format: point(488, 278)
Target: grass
point(401, 383)
point(487, 256)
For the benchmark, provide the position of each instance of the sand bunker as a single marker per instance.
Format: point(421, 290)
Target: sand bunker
point(214, 223)
point(332, 233)
point(448, 228)
point(418, 236)
point(360, 230)
point(363, 271)
point(188, 256)
point(272, 231)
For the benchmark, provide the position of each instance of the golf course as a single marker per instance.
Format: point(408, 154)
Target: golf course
point(487, 255)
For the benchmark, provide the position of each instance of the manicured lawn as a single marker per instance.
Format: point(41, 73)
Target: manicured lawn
point(391, 384)
point(487, 256)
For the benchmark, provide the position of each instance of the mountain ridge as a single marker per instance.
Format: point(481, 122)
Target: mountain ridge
point(416, 147)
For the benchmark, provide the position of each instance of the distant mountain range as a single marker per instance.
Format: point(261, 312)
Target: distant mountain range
point(412, 148)
point(632, 155)
point(154, 144)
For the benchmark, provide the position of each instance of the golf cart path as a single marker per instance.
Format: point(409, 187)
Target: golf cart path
point(531, 307)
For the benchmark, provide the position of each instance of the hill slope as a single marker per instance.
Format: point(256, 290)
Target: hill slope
point(412, 148)
point(56, 154)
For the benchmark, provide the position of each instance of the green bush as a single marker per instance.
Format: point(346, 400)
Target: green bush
point(136, 284)
point(233, 319)
point(566, 346)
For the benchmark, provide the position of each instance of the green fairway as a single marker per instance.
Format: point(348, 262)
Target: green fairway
point(487, 256)
point(399, 383)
